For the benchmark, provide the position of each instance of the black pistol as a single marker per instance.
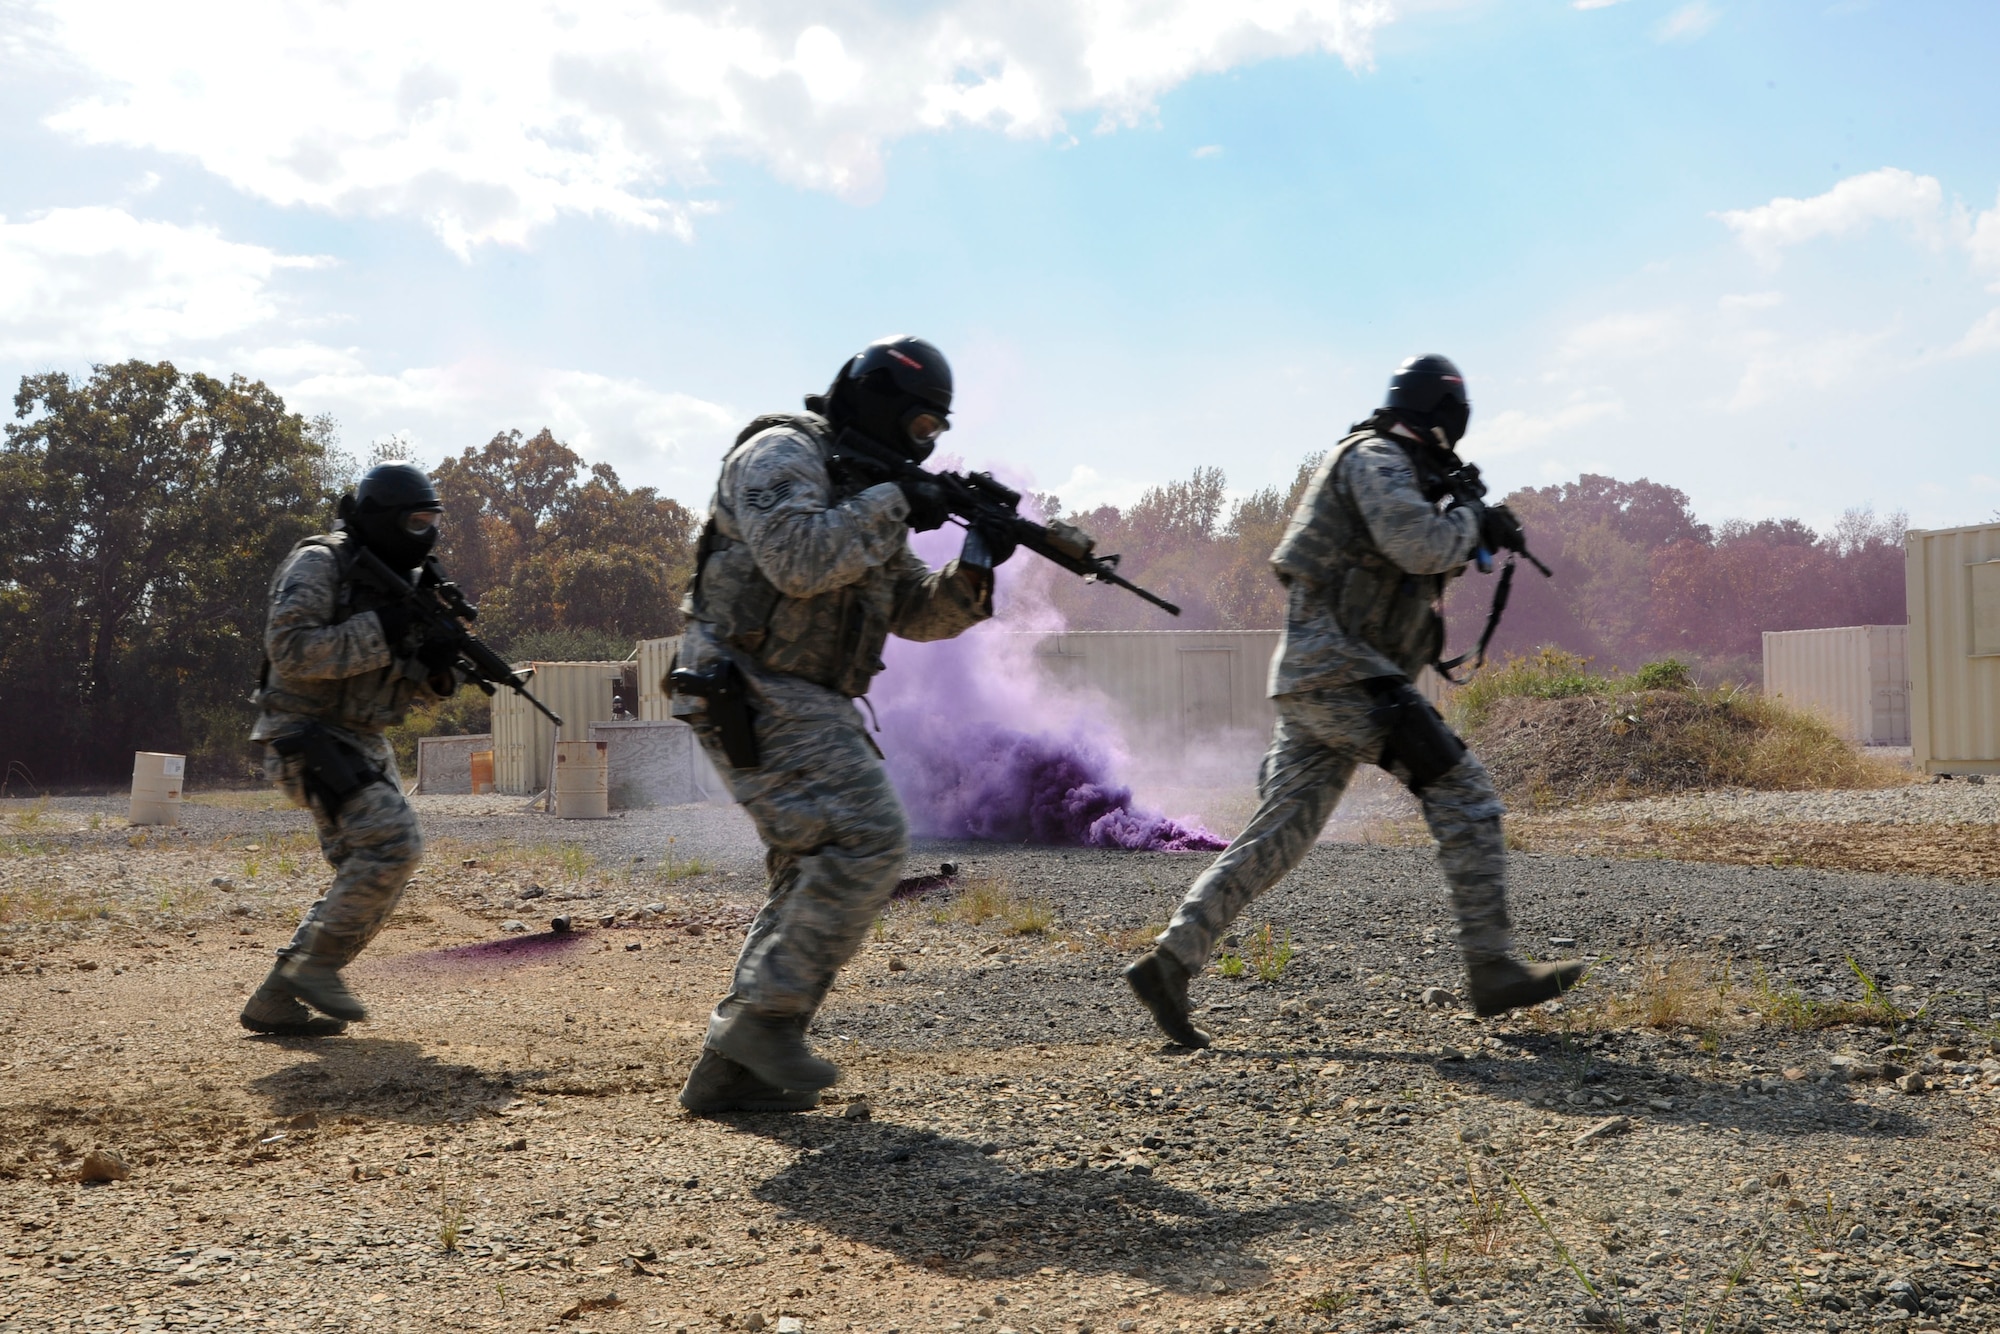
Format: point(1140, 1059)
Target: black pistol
point(728, 707)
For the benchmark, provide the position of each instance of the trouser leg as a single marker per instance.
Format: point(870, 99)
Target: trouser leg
point(1463, 811)
point(1308, 765)
point(374, 846)
point(835, 835)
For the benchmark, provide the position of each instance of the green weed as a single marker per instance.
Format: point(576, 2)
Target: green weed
point(1028, 917)
point(1268, 957)
point(1563, 1254)
point(674, 868)
point(1230, 965)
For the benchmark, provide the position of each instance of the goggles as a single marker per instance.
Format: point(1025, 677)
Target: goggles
point(417, 523)
point(925, 425)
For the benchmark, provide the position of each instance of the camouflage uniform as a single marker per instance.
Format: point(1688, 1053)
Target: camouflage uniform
point(801, 583)
point(330, 666)
point(1364, 561)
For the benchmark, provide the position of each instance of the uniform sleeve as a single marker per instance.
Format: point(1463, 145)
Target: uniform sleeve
point(1406, 527)
point(937, 604)
point(301, 637)
point(804, 544)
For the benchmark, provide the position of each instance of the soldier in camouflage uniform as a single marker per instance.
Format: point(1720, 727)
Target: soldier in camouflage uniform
point(1365, 561)
point(801, 577)
point(344, 663)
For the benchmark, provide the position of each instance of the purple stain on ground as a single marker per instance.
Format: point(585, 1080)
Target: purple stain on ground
point(508, 949)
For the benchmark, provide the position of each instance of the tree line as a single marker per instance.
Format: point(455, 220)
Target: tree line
point(144, 509)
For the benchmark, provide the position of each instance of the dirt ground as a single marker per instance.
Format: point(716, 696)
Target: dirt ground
point(1710, 1135)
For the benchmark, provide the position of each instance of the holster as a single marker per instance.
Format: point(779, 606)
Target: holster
point(330, 770)
point(1416, 735)
point(729, 708)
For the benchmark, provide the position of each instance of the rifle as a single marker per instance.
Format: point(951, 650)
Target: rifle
point(1465, 484)
point(442, 610)
point(979, 500)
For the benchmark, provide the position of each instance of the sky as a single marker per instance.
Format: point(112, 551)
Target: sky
point(1751, 250)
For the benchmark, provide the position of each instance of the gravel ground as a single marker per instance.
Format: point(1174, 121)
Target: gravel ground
point(1954, 801)
point(499, 1148)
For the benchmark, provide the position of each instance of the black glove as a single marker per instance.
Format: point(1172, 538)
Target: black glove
point(928, 507)
point(987, 545)
point(396, 618)
point(1500, 530)
point(438, 653)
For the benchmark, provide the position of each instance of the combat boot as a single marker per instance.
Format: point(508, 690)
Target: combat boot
point(320, 986)
point(718, 1084)
point(1160, 980)
point(273, 1009)
point(1503, 984)
point(774, 1050)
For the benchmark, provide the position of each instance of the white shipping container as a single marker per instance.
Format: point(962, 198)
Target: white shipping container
point(654, 655)
point(1854, 676)
point(1952, 576)
point(580, 693)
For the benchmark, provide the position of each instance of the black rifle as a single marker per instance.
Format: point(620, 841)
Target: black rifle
point(980, 501)
point(1465, 485)
point(439, 606)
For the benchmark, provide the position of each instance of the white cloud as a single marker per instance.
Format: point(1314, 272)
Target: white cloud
point(1888, 195)
point(487, 120)
point(1592, 4)
point(1627, 334)
point(652, 436)
point(1209, 150)
point(1778, 366)
point(1982, 337)
point(1686, 23)
point(1513, 430)
point(1983, 240)
point(100, 283)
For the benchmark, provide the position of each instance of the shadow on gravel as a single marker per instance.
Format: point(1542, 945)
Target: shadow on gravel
point(384, 1079)
point(953, 1206)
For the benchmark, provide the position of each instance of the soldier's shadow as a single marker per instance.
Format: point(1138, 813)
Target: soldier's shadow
point(383, 1079)
point(952, 1205)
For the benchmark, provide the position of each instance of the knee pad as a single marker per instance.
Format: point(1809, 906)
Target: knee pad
point(1415, 736)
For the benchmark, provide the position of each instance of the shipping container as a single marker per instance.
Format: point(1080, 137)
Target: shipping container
point(654, 655)
point(580, 693)
point(1952, 576)
point(1857, 677)
point(1187, 686)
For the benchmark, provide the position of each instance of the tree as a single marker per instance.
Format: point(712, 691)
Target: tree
point(550, 548)
point(141, 514)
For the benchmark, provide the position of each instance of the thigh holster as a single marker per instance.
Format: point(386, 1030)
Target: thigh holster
point(1415, 738)
point(330, 771)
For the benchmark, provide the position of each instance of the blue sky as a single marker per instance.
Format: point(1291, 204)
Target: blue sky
point(1748, 249)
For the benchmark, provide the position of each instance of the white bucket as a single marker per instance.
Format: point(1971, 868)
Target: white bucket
point(156, 788)
point(582, 781)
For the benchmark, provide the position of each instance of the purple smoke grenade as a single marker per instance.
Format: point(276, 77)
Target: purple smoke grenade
point(982, 746)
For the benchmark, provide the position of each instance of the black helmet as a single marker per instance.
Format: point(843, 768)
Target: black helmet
point(897, 390)
point(1428, 392)
point(395, 513)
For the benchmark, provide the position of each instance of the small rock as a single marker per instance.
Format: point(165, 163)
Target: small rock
point(635, 945)
point(692, 929)
point(533, 892)
point(1794, 1072)
point(609, 919)
point(754, 1321)
point(858, 1110)
point(1610, 1125)
point(986, 1258)
point(898, 966)
point(791, 1324)
point(1750, 1187)
point(1857, 1233)
point(1437, 998)
point(222, 882)
point(1563, 942)
point(1913, 1083)
point(513, 925)
point(103, 1165)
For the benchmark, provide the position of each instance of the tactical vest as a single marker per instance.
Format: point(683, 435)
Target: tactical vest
point(1329, 563)
point(368, 702)
point(834, 639)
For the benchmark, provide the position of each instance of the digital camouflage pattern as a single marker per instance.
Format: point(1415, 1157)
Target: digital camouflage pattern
point(1364, 561)
point(330, 665)
point(1320, 737)
point(803, 593)
point(373, 846)
point(809, 584)
point(329, 661)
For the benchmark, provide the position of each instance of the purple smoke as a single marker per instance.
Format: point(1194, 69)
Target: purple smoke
point(981, 746)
